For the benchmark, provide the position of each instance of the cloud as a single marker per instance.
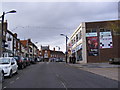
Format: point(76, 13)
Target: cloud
point(43, 22)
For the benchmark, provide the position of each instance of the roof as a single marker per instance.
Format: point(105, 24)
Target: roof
point(24, 42)
point(58, 52)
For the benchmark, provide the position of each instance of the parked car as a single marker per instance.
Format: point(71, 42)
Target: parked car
point(20, 62)
point(114, 61)
point(8, 65)
point(59, 60)
point(32, 61)
point(38, 59)
point(27, 61)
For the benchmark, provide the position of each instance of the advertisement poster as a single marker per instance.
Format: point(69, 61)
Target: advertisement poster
point(106, 40)
point(92, 46)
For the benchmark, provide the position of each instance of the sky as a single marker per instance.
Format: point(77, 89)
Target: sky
point(43, 22)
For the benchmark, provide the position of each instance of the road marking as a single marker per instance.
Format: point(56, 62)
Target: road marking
point(47, 62)
point(63, 84)
point(17, 78)
point(11, 82)
point(61, 81)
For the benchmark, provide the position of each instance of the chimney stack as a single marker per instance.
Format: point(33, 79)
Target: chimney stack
point(15, 35)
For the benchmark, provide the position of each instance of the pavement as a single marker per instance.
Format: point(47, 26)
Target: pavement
point(57, 75)
point(104, 69)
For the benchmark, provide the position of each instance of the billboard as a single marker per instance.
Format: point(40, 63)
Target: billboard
point(92, 45)
point(106, 40)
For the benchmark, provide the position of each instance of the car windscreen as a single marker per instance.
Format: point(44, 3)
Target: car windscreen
point(4, 61)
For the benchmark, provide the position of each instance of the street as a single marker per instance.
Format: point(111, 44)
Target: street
point(57, 75)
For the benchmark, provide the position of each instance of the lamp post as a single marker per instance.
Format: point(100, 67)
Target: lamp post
point(66, 45)
point(1, 40)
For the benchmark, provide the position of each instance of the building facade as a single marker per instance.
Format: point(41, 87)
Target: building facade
point(95, 42)
point(48, 54)
point(10, 45)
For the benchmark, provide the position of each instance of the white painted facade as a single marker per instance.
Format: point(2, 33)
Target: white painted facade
point(79, 43)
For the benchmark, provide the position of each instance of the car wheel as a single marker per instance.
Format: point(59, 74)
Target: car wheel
point(17, 71)
point(10, 74)
point(22, 66)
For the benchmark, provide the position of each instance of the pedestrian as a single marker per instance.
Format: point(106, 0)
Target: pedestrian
point(74, 60)
point(70, 59)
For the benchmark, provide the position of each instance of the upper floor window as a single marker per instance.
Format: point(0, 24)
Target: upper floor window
point(91, 30)
point(80, 35)
point(104, 30)
point(77, 38)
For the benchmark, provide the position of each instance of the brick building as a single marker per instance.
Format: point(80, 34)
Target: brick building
point(57, 54)
point(95, 41)
point(47, 54)
point(30, 48)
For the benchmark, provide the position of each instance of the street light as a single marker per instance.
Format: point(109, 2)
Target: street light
point(3, 15)
point(66, 45)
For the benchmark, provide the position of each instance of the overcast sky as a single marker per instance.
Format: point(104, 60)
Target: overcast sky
point(44, 21)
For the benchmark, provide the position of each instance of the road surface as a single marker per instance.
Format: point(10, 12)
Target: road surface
point(57, 75)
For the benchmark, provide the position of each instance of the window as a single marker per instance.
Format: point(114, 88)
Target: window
point(80, 35)
point(94, 30)
point(88, 31)
point(74, 40)
point(77, 38)
point(105, 30)
point(102, 30)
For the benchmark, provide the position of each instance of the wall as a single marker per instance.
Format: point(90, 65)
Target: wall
point(106, 53)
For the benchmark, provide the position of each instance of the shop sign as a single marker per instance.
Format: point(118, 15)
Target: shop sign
point(91, 34)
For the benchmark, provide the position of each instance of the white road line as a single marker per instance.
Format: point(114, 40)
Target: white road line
point(62, 82)
point(17, 78)
point(11, 82)
point(64, 85)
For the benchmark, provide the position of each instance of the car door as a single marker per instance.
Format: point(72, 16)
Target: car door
point(13, 64)
point(16, 66)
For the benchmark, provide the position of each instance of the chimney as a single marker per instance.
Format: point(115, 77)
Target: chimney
point(29, 40)
point(15, 35)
